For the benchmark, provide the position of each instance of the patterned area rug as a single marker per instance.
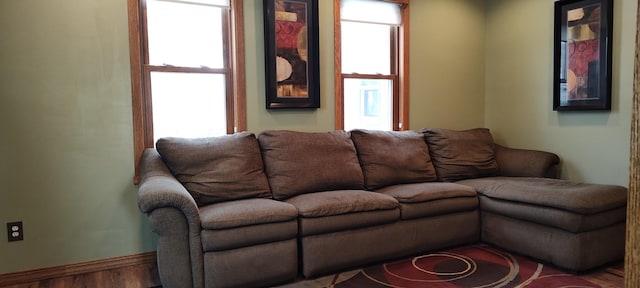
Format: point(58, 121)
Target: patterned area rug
point(469, 266)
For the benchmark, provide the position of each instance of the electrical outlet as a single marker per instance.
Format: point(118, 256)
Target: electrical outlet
point(14, 231)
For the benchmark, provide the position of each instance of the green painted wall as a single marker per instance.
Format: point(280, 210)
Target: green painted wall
point(593, 146)
point(65, 109)
point(447, 64)
point(66, 134)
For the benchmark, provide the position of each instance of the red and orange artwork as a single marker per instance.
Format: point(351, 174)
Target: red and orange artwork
point(291, 49)
point(583, 50)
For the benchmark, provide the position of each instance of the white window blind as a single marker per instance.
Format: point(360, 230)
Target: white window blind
point(214, 3)
point(371, 11)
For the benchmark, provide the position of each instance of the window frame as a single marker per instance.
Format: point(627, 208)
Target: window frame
point(141, 70)
point(400, 117)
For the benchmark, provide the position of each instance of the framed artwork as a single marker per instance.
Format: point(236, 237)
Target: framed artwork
point(582, 55)
point(291, 54)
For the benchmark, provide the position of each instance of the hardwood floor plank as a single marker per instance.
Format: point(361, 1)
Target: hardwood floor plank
point(608, 277)
point(78, 268)
point(135, 271)
point(145, 275)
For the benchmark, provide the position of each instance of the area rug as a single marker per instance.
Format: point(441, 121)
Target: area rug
point(469, 266)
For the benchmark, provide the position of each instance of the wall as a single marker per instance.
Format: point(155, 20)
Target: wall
point(447, 64)
point(66, 135)
point(594, 146)
point(65, 109)
point(65, 115)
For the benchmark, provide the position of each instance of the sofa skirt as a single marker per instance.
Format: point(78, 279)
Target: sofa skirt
point(326, 253)
point(571, 251)
point(253, 266)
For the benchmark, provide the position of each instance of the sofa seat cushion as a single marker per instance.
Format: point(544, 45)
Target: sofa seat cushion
point(304, 162)
point(331, 211)
point(246, 212)
point(393, 157)
point(570, 206)
point(247, 222)
point(431, 199)
point(217, 169)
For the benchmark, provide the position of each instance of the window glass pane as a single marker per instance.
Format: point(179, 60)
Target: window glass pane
point(368, 104)
point(188, 104)
point(185, 34)
point(366, 48)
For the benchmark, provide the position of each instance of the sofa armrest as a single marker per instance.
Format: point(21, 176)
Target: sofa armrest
point(160, 189)
point(175, 217)
point(526, 163)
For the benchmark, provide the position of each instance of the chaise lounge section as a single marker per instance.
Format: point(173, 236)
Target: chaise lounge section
point(247, 211)
point(574, 226)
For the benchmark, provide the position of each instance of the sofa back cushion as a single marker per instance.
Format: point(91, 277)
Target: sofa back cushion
point(303, 162)
point(393, 157)
point(461, 154)
point(217, 169)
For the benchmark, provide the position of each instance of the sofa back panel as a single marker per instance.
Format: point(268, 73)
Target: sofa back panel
point(393, 157)
point(217, 169)
point(461, 154)
point(526, 163)
point(304, 162)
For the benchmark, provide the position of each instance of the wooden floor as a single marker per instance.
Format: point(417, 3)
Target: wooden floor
point(610, 277)
point(144, 276)
point(140, 276)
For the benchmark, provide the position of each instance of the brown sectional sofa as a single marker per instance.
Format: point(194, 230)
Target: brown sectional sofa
point(243, 211)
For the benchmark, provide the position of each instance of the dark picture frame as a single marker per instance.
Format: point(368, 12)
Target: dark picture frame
point(291, 54)
point(582, 55)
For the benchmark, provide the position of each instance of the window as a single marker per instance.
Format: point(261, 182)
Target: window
point(186, 69)
point(371, 81)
